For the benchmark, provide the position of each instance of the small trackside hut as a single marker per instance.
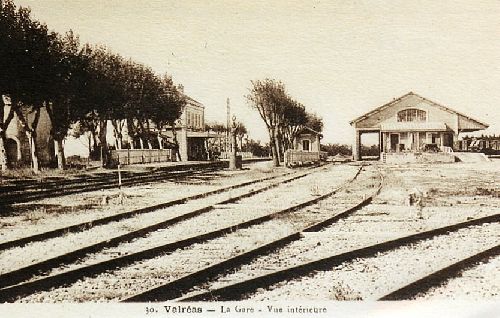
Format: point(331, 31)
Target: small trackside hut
point(412, 128)
point(306, 148)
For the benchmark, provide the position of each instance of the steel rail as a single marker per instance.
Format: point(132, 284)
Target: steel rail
point(182, 285)
point(25, 273)
point(438, 278)
point(11, 293)
point(43, 182)
point(77, 187)
point(238, 290)
point(120, 216)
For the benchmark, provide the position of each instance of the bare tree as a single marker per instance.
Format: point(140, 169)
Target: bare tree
point(268, 97)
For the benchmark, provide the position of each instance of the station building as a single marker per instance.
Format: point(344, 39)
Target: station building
point(189, 130)
point(306, 148)
point(308, 140)
point(412, 125)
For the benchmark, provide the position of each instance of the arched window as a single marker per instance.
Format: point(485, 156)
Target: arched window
point(412, 114)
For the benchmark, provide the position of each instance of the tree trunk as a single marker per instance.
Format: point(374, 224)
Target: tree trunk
point(61, 160)
point(277, 144)
point(119, 143)
point(274, 149)
point(31, 133)
point(103, 124)
point(4, 124)
point(118, 132)
point(94, 141)
point(90, 148)
point(131, 142)
point(34, 151)
point(3, 153)
point(160, 144)
point(3, 139)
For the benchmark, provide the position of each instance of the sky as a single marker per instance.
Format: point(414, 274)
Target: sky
point(339, 58)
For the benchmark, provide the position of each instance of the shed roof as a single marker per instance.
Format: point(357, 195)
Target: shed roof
point(414, 126)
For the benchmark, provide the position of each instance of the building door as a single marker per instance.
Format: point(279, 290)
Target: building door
point(448, 140)
point(305, 145)
point(394, 142)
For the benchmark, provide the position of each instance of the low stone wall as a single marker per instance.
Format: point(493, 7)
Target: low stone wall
point(418, 157)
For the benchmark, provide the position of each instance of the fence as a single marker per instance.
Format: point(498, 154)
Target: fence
point(300, 157)
point(133, 156)
point(244, 155)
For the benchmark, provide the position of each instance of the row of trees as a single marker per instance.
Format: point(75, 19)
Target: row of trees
point(283, 116)
point(75, 83)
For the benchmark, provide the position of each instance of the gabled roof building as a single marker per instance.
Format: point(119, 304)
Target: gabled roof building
point(412, 124)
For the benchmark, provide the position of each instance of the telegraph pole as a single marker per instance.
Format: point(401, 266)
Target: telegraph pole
point(228, 126)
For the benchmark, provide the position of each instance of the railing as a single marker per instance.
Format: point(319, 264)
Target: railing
point(134, 156)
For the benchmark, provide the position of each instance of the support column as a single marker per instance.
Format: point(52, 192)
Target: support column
point(356, 153)
point(417, 141)
point(455, 141)
point(381, 142)
point(183, 144)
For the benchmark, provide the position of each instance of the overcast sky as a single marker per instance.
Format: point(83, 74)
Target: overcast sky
point(339, 58)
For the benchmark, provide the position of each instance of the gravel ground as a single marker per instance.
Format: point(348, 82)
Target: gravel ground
point(147, 274)
point(22, 256)
point(20, 220)
point(451, 193)
point(372, 278)
point(478, 283)
point(388, 217)
point(321, 181)
point(355, 192)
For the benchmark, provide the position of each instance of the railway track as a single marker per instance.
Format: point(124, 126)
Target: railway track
point(245, 288)
point(11, 194)
point(124, 215)
point(477, 280)
point(441, 276)
point(297, 225)
point(96, 267)
point(111, 225)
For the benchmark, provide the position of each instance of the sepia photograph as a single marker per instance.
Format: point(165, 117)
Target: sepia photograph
point(272, 158)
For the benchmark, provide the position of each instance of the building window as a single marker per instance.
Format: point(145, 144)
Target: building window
point(412, 114)
point(305, 145)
